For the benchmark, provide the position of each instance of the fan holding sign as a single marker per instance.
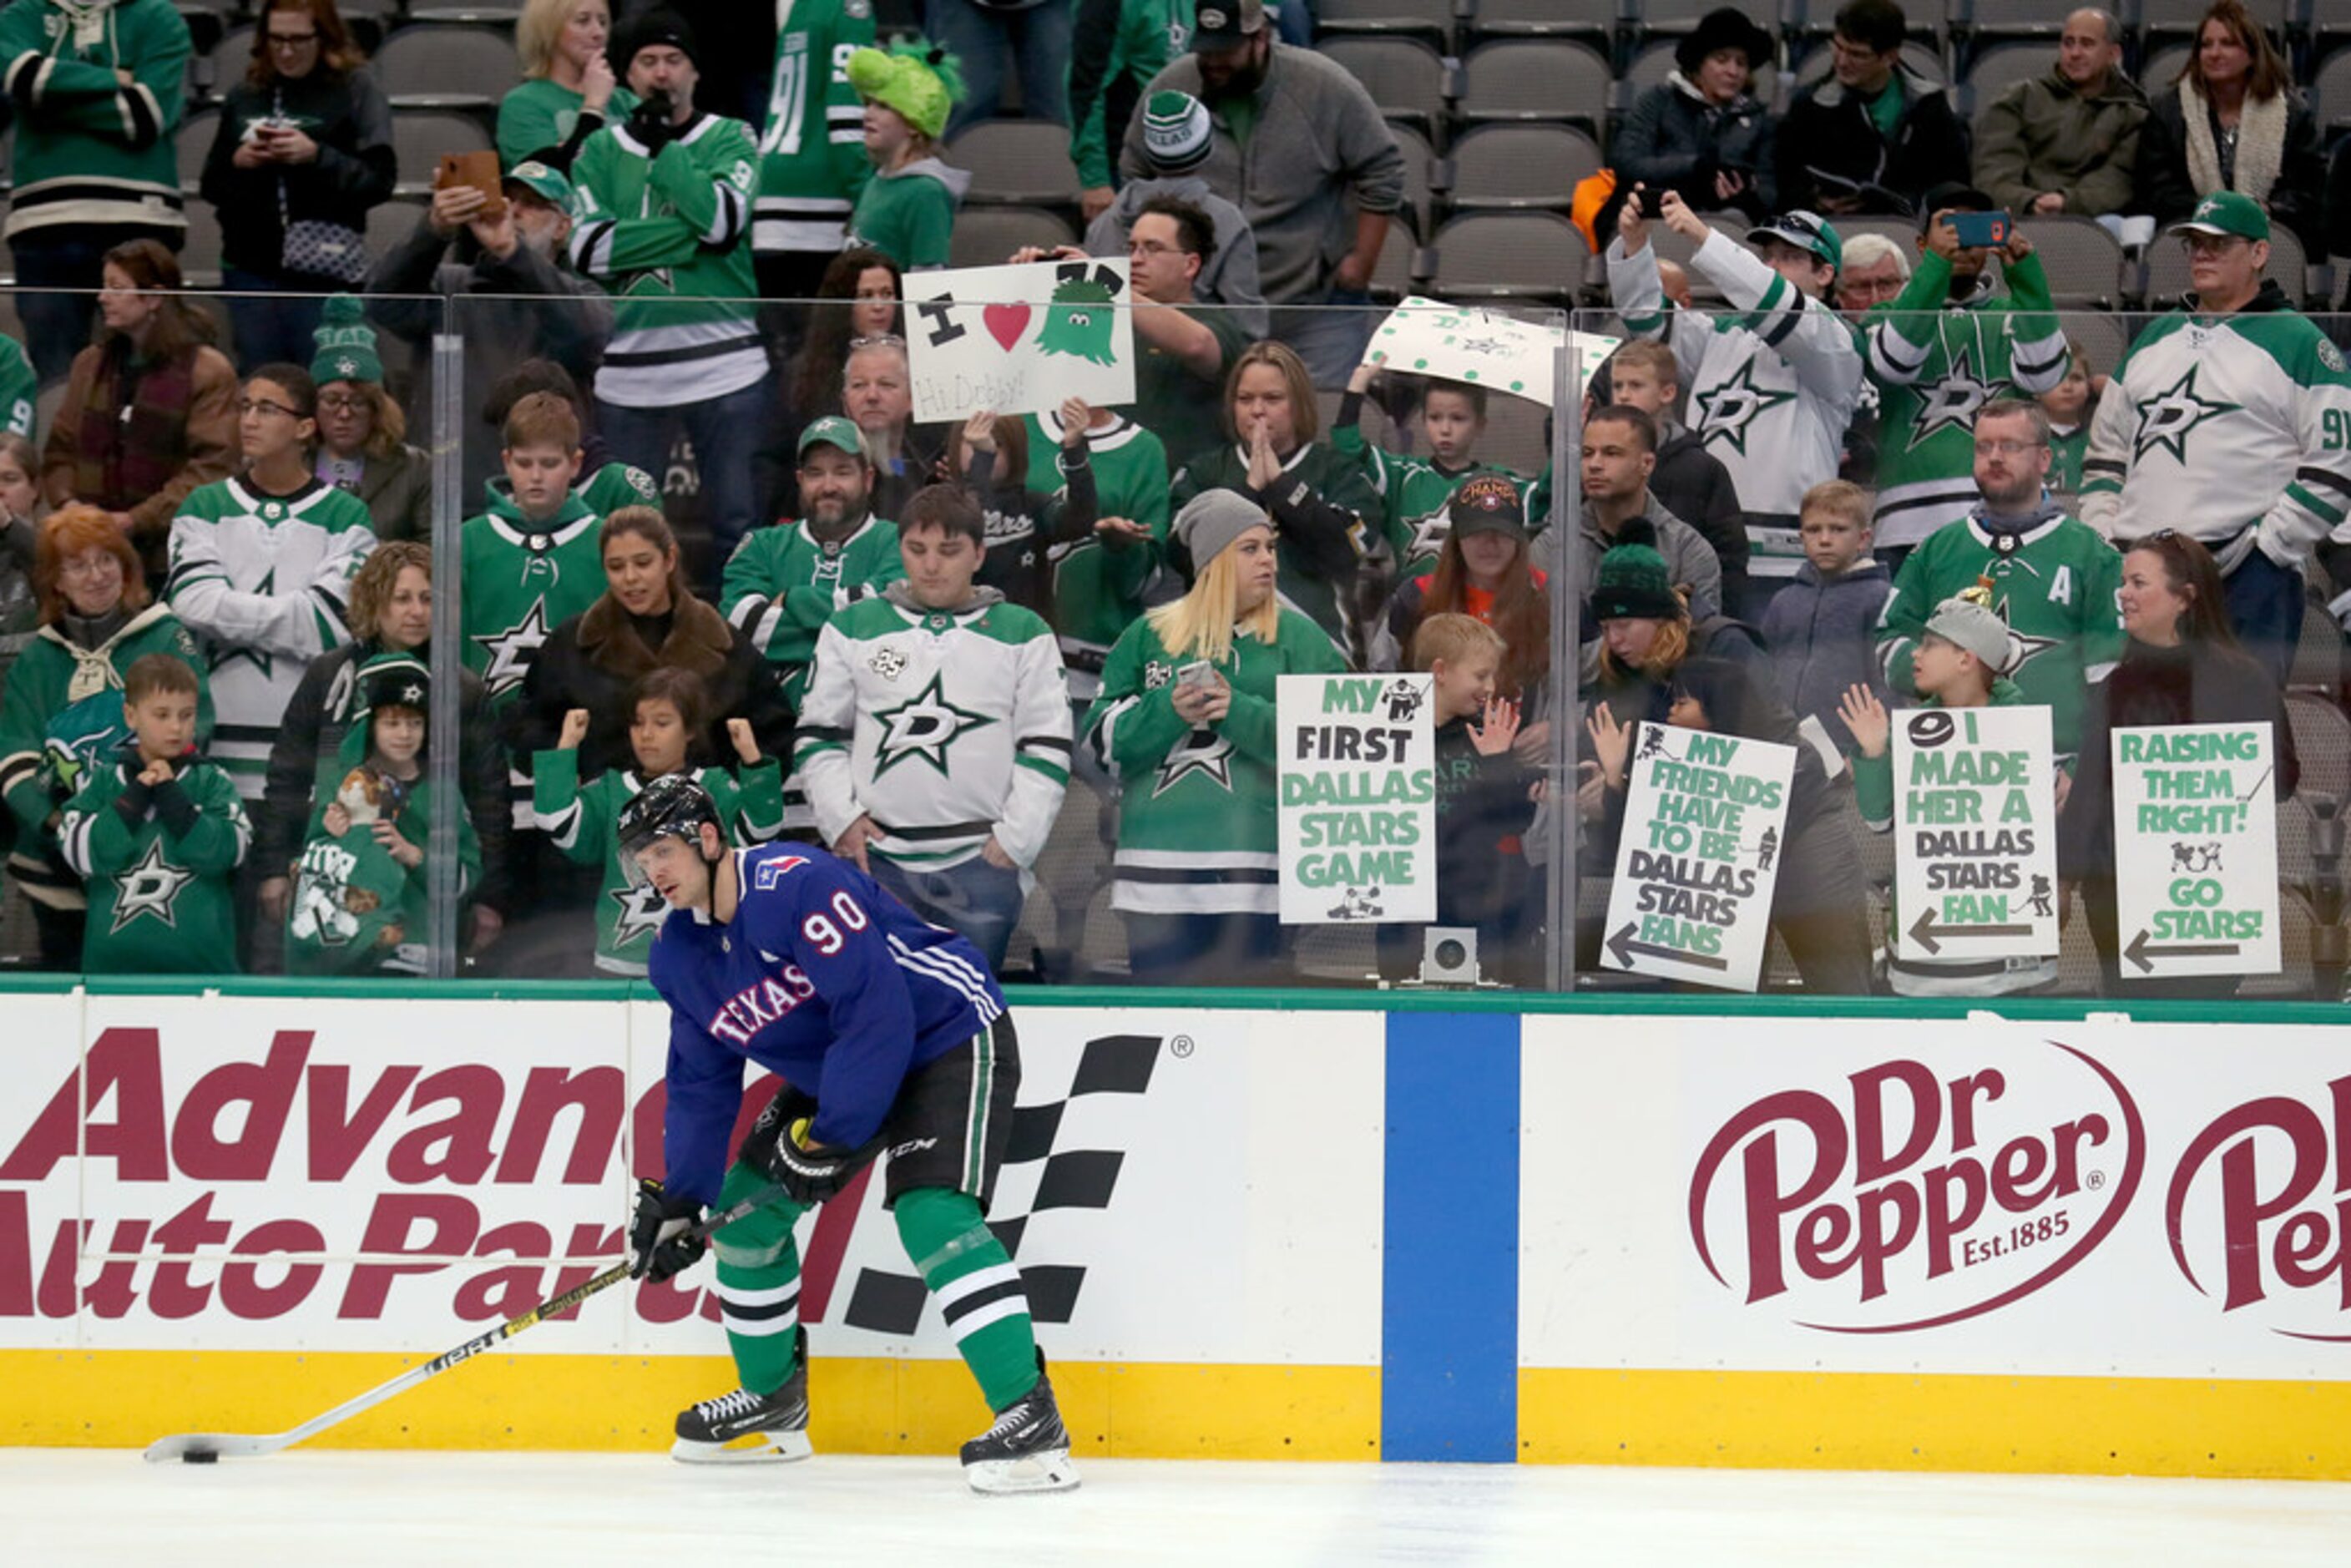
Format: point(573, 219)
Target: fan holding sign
point(1019, 339)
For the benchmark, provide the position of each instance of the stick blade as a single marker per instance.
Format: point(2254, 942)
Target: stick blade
point(204, 1447)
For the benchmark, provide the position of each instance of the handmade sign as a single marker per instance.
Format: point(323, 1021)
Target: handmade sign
point(1975, 846)
point(1358, 806)
point(1705, 819)
point(1018, 339)
point(1483, 348)
point(2196, 884)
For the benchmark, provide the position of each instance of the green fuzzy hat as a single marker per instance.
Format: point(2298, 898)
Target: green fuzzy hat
point(916, 77)
point(1635, 584)
point(346, 345)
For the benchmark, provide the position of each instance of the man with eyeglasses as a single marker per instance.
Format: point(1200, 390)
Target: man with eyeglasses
point(2052, 580)
point(663, 216)
point(1876, 136)
point(1177, 138)
point(1950, 342)
point(96, 90)
point(2229, 421)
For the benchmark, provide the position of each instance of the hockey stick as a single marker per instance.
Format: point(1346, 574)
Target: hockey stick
point(204, 1447)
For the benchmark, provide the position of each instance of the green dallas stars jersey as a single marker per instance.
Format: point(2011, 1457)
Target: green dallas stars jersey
point(162, 902)
point(942, 726)
point(1098, 588)
point(264, 581)
point(667, 236)
point(354, 909)
point(1196, 813)
point(1321, 506)
point(583, 822)
point(2055, 588)
point(780, 587)
point(1936, 365)
point(522, 580)
point(2234, 429)
point(612, 487)
point(812, 161)
point(1413, 493)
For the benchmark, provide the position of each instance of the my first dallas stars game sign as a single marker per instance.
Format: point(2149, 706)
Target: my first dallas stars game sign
point(1357, 769)
point(1019, 339)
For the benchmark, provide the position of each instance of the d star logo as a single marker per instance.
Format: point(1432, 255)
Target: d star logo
point(924, 726)
point(1200, 751)
point(151, 886)
point(642, 910)
point(2167, 419)
point(1953, 402)
point(510, 651)
point(1428, 534)
point(1728, 413)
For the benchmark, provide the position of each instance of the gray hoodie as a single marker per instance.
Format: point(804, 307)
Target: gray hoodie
point(1229, 279)
point(1318, 153)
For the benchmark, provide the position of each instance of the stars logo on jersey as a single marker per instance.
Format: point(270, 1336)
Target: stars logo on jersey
point(1157, 672)
point(511, 651)
point(887, 663)
point(1728, 412)
point(1428, 535)
point(1200, 751)
point(2167, 419)
point(1953, 402)
point(642, 910)
point(2022, 649)
point(152, 886)
point(221, 656)
point(926, 726)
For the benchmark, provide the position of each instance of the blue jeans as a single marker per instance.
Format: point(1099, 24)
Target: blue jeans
point(2265, 603)
point(1330, 339)
point(275, 322)
point(724, 430)
point(1037, 39)
point(980, 901)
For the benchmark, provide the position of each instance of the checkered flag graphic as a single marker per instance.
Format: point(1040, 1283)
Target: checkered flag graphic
point(892, 1303)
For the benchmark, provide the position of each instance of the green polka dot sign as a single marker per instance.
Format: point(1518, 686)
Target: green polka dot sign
point(1482, 347)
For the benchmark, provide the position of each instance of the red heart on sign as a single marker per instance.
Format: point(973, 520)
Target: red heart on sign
point(1006, 323)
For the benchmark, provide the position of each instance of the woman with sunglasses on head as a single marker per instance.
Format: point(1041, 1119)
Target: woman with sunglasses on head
point(2181, 665)
point(303, 151)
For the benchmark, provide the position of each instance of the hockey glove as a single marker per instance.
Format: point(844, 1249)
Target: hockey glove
point(659, 1243)
point(778, 1143)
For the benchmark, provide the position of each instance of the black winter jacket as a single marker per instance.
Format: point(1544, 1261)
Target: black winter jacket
point(1675, 138)
point(349, 119)
point(1828, 146)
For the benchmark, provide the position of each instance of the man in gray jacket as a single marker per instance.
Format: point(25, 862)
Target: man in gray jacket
point(1620, 453)
point(1177, 138)
point(1301, 150)
point(498, 285)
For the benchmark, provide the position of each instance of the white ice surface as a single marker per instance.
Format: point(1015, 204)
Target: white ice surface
point(522, 1511)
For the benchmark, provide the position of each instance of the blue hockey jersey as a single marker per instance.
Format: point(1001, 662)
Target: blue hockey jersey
point(822, 978)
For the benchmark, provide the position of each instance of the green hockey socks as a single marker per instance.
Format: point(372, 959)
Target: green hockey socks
point(979, 1292)
point(759, 1283)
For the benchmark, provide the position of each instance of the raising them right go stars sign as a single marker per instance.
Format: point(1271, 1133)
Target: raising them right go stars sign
point(1706, 817)
point(2196, 851)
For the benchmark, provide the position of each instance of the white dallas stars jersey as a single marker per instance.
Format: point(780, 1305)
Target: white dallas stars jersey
point(1772, 390)
point(265, 582)
point(943, 727)
point(2234, 429)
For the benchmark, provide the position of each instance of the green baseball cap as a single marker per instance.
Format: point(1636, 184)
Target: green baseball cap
point(541, 180)
point(2226, 213)
point(1805, 231)
point(833, 430)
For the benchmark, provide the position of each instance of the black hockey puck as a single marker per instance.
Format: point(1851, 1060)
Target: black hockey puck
point(200, 1457)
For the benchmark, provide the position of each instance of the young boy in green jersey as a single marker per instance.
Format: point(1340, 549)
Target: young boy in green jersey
point(1414, 491)
point(157, 836)
point(907, 209)
point(2069, 404)
point(669, 710)
point(531, 560)
point(360, 902)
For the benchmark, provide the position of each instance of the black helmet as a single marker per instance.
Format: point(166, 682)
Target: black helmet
point(673, 803)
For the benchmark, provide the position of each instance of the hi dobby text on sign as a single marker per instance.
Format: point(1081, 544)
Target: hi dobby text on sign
point(1358, 809)
point(1975, 860)
point(2196, 849)
point(1019, 339)
point(1705, 817)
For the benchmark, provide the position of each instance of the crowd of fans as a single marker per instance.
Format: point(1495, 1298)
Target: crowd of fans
point(710, 536)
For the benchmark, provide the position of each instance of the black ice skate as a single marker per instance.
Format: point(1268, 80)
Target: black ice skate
point(1027, 1449)
point(713, 1432)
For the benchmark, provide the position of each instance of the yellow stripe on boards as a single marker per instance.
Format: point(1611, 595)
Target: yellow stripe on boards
point(129, 1398)
point(2085, 1425)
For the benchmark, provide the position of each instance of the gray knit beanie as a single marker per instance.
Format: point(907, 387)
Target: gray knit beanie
point(1211, 520)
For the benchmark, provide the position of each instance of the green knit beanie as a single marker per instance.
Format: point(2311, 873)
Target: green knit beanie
point(916, 77)
point(346, 344)
point(1634, 584)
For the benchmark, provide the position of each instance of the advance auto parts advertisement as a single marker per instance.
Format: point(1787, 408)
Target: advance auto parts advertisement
point(1959, 1196)
point(296, 1173)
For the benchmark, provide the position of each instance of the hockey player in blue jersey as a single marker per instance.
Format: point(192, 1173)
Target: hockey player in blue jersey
point(889, 1034)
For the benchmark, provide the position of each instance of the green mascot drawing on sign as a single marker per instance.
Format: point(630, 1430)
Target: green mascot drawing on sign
point(1079, 320)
